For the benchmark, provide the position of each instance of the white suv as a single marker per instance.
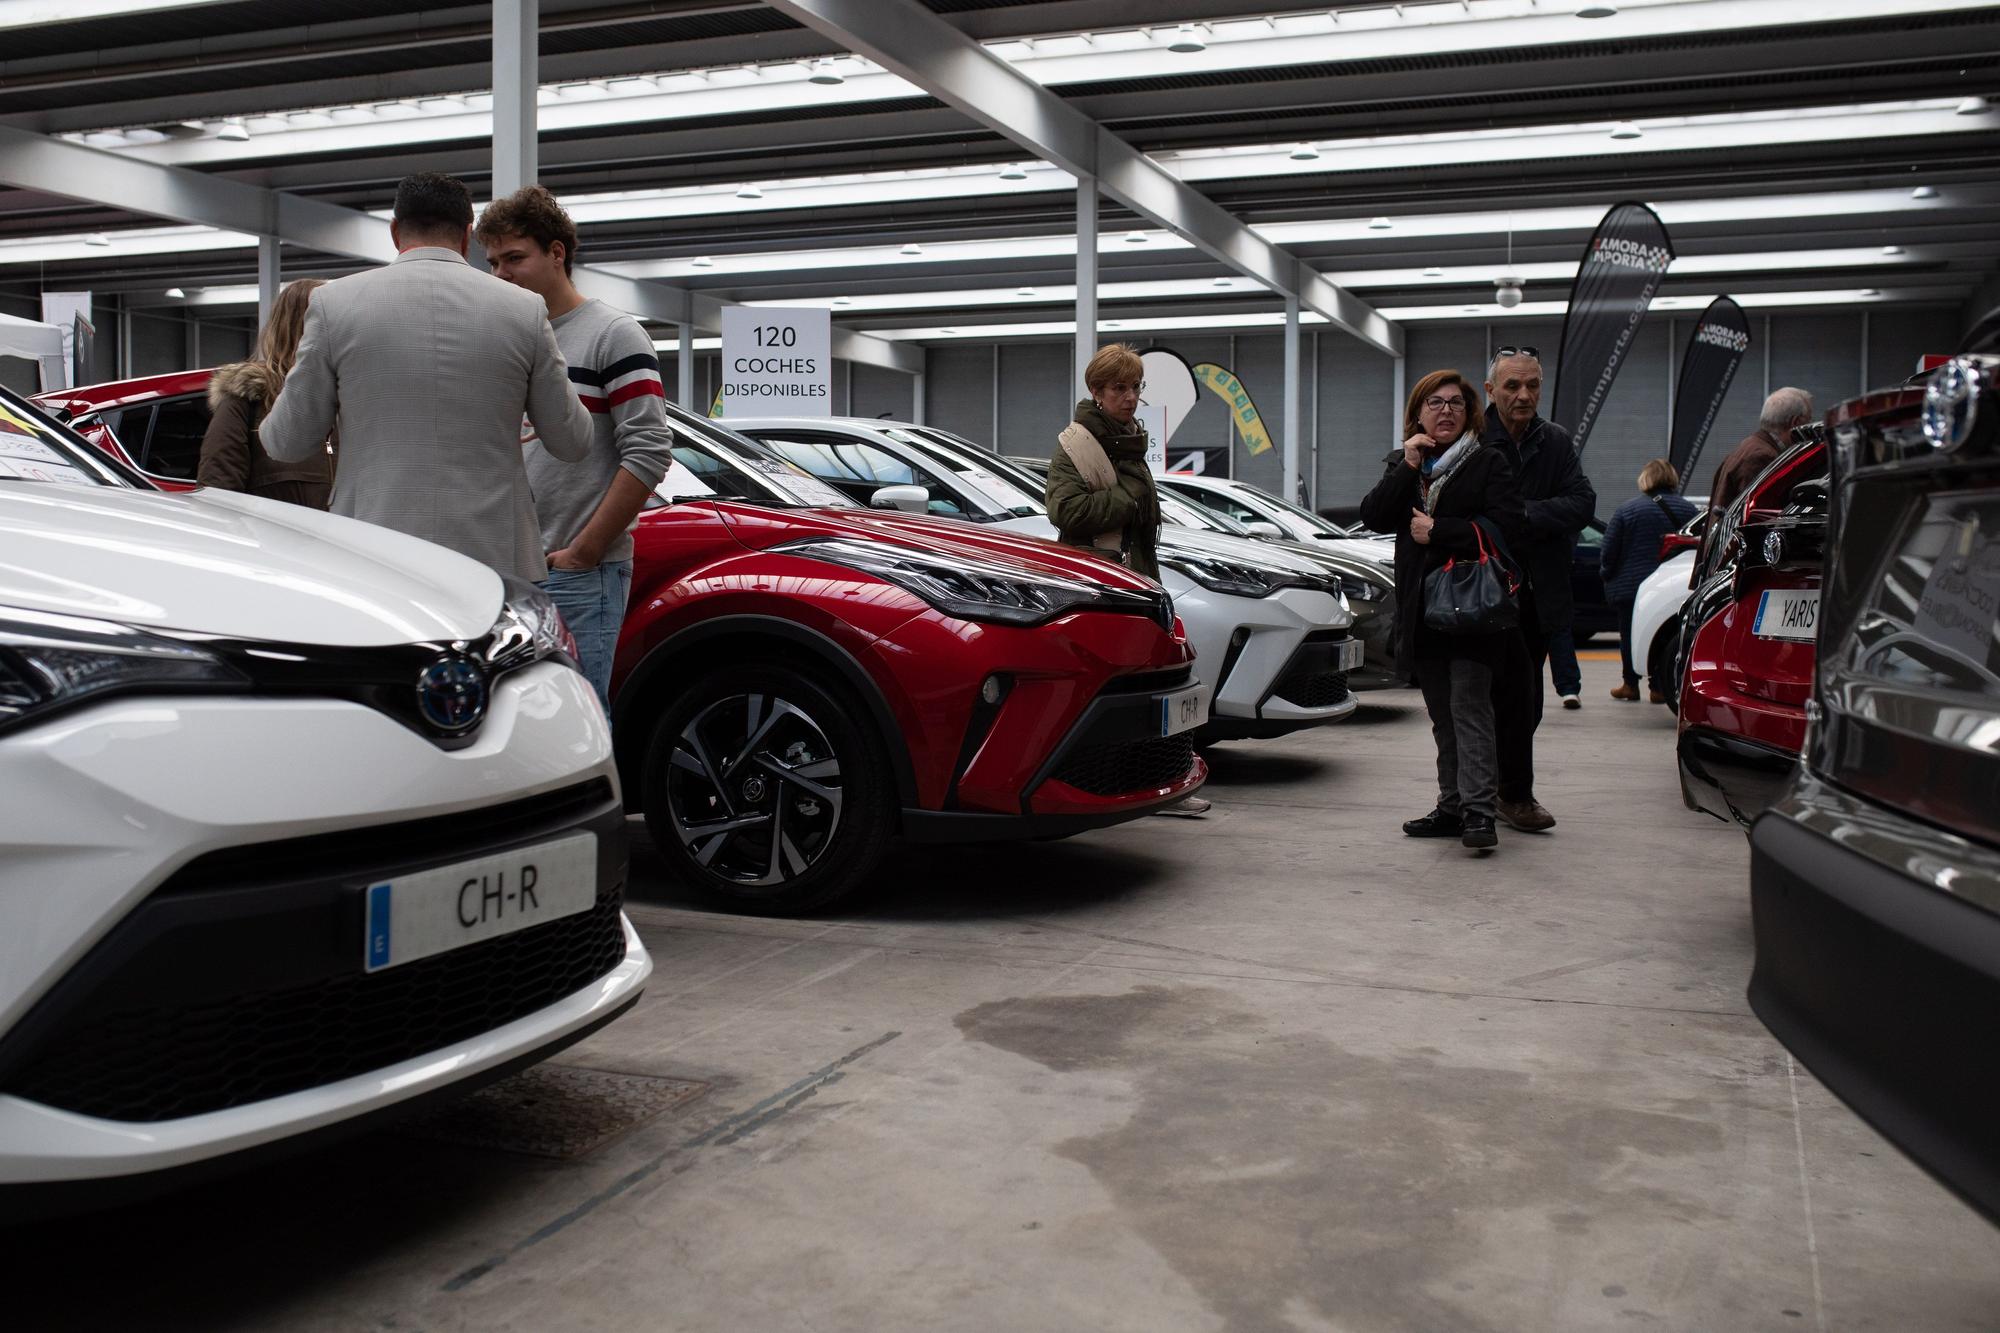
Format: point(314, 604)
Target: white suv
point(303, 819)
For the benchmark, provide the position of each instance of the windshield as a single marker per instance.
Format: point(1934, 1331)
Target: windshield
point(1020, 489)
point(711, 460)
point(1320, 526)
point(33, 448)
point(977, 470)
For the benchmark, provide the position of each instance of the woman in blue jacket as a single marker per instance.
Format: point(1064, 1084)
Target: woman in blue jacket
point(1632, 552)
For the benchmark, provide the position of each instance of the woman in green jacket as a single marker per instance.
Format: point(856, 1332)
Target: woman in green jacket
point(1100, 491)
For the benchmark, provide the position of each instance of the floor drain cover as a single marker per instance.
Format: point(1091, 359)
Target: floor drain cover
point(553, 1110)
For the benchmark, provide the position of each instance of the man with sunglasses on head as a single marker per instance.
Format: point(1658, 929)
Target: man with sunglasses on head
point(1559, 501)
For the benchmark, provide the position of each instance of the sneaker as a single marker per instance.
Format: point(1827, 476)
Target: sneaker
point(1571, 701)
point(1479, 832)
point(1527, 816)
point(1436, 824)
point(1627, 693)
point(1188, 807)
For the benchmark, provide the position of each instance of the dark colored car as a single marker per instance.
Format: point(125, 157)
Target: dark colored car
point(1748, 639)
point(1875, 878)
point(1594, 614)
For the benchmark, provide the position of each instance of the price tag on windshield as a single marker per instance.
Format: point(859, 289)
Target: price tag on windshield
point(803, 487)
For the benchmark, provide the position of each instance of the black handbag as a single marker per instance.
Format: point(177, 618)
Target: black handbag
point(1473, 596)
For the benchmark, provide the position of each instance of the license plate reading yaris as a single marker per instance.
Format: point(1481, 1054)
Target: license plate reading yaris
point(1787, 613)
point(434, 911)
point(1182, 711)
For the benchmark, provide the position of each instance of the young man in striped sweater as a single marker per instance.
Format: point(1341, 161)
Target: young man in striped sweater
point(587, 510)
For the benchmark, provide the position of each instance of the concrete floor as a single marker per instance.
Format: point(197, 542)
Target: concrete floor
point(1281, 1069)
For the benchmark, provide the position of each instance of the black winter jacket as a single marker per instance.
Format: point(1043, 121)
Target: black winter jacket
point(1559, 501)
point(1481, 487)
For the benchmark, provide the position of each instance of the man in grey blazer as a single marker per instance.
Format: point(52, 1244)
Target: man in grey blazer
point(427, 366)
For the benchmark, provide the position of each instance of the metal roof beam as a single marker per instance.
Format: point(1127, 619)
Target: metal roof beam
point(910, 40)
point(92, 175)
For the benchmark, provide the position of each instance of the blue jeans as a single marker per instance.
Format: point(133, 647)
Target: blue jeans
point(592, 602)
point(1563, 669)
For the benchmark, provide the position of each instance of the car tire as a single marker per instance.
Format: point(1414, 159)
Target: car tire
point(1661, 663)
point(764, 791)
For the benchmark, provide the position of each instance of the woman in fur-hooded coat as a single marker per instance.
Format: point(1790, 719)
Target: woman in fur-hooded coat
point(232, 457)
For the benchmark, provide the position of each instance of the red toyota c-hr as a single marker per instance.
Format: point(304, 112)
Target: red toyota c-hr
point(800, 679)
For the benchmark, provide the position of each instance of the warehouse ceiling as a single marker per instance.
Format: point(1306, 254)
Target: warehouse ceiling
point(1801, 153)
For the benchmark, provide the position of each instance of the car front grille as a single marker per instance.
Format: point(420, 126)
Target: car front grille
point(1114, 768)
point(1307, 688)
point(168, 1061)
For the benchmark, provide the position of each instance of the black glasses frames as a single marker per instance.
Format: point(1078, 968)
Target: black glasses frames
point(1499, 352)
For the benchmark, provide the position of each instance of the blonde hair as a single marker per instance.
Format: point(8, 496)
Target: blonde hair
point(1658, 475)
point(1114, 361)
point(278, 342)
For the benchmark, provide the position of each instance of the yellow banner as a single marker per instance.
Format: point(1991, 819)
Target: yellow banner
point(715, 408)
point(1230, 389)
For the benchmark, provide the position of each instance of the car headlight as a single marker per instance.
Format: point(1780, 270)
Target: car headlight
point(1361, 590)
point(50, 662)
point(529, 629)
point(1231, 576)
point(972, 589)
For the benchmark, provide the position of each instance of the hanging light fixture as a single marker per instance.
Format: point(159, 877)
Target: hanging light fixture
point(1225, 282)
point(824, 74)
point(1974, 106)
point(176, 294)
point(97, 238)
point(1135, 238)
point(1013, 171)
point(1024, 291)
point(701, 261)
point(843, 300)
point(1924, 192)
point(1625, 129)
point(1380, 224)
point(1434, 272)
point(1305, 152)
point(1597, 11)
point(1188, 40)
point(749, 192)
point(911, 249)
point(1892, 249)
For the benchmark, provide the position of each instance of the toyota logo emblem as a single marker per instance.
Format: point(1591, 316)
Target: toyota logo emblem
point(451, 694)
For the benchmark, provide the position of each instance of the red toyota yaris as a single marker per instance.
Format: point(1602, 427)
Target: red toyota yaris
point(800, 679)
point(1753, 623)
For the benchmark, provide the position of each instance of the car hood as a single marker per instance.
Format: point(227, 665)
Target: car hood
point(936, 536)
point(216, 562)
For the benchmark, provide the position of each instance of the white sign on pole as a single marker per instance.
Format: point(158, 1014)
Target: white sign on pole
point(776, 361)
point(1153, 416)
point(63, 309)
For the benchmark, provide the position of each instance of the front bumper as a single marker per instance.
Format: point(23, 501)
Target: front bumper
point(1311, 689)
point(1878, 966)
point(180, 885)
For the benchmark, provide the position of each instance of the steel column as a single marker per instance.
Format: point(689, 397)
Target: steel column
point(684, 368)
point(268, 277)
point(1086, 280)
point(1294, 401)
point(516, 53)
point(908, 39)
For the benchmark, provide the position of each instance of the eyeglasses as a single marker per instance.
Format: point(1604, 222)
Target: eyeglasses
point(1499, 352)
point(1445, 404)
point(1115, 387)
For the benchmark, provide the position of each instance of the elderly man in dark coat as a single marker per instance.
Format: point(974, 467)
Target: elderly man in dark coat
point(1559, 502)
point(1784, 411)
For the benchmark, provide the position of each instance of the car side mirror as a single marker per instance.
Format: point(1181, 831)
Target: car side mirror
point(1260, 528)
point(909, 499)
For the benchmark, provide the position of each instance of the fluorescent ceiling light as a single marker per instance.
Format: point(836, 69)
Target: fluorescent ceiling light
point(1311, 38)
point(1402, 315)
point(1357, 280)
point(102, 245)
point(36, 13)
point(1783, 209)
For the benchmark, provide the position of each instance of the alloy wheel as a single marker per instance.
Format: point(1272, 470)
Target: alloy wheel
point(754, 789)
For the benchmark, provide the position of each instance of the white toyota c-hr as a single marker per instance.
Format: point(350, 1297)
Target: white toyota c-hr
point(300, 819)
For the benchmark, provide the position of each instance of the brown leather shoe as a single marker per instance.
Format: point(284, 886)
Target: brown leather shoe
point(1526, 816)
point(1655, 697)
point(1628, 693)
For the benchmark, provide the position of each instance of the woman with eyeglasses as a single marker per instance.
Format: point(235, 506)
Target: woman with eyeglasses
point(1440, 489)
point(1100, 490)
